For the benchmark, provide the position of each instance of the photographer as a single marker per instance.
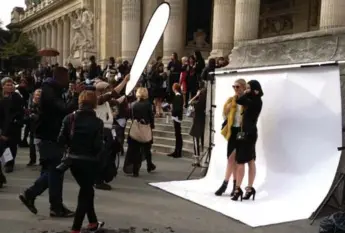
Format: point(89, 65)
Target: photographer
point(53, 109)
point(82, 134)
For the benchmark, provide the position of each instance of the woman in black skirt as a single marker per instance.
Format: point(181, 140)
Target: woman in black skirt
point(252, 105)
point(233, 118)
point(158, 82)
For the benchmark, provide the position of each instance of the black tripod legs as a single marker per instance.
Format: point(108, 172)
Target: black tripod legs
point(341, 178)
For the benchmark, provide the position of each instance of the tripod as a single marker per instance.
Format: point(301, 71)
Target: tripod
point(339, 180)
point(207, 154)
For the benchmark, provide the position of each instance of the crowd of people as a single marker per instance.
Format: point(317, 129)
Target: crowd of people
point(76, 117)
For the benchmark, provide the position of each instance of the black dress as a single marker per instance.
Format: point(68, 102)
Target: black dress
point(252, 107)
point(137, 151)
point(198, 127)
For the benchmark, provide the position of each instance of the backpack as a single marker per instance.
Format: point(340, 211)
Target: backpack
point(334, 223)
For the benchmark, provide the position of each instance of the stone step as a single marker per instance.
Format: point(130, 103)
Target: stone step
point(159, 149)
point(187, 122)
point(166, 127)
point(168, 134)
point(188, 145)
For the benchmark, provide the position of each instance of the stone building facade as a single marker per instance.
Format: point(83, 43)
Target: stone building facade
point(255, 32)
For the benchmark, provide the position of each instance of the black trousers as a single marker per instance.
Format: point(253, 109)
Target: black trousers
point(178, 137)
point(191, 92)
point(196, 142)
point(33, 157)
point(84, 174)
point(12, 144)
point(136, 153)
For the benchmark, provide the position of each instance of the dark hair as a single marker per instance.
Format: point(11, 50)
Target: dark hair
point(198, 55)
point(92, 58)
point(256, 86)
point(194, 59)
point(212, 63)
point(201, 84)
point(112, 59)
point(159, 58)
point(175, 56)
point(58, 71)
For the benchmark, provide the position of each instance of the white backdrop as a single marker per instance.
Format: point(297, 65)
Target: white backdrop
point(297, 157)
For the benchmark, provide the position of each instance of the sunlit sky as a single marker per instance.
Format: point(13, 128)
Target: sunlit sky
point(6, 9)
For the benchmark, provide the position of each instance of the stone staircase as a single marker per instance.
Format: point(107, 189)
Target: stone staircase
point(164, 136)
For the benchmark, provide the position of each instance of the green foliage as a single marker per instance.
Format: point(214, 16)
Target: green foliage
point(18, 50)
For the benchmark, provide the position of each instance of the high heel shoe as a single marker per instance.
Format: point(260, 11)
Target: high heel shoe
point(233, 189)
point(222, 189)
point(238, 194)
point(250, 191)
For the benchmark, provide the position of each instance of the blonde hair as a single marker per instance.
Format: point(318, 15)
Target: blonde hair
point(142, 93)
point(184, 59)
point(241, 81)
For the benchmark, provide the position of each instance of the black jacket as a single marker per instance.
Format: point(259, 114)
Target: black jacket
point(177, 107)
point(53, 108)
point(11, 114)
point(252, 107)
point(82, 133)
point(142, 111)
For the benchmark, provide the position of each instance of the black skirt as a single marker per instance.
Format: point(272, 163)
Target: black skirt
point(245, 151)
point(232, 142)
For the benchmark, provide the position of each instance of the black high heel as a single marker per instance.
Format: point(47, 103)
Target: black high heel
point(238, 194)
point(233, 189)
point(250, 191)
point(222, 189)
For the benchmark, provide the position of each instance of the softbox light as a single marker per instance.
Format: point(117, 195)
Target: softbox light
point(153, 33)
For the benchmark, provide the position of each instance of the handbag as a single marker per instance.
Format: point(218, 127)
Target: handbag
point(140, 132)
point(241, 136)
point(190, 111)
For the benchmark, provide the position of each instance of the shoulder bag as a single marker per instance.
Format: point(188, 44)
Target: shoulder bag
point(140, 132)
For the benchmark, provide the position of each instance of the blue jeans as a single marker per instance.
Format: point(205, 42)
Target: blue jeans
point(50, 178)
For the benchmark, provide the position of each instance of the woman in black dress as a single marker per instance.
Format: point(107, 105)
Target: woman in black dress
point(158, 84)
point(245, 152)
point(198, 127)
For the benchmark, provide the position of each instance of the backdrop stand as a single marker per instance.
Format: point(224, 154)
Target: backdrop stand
point(339, 205)
point(207, 154)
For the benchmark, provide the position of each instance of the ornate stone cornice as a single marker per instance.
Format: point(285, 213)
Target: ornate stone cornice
point(309, 47)
point(39, 13)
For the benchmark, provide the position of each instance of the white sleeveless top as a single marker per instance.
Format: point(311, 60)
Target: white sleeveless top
point(104, 113)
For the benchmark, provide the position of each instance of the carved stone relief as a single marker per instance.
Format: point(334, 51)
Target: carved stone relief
point(299, 50)
point(82, 26)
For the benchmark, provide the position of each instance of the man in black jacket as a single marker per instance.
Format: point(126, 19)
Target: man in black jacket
point(53, 108)
point(177, 114)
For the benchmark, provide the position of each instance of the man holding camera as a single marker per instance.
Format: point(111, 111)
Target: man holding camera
point(52, 110)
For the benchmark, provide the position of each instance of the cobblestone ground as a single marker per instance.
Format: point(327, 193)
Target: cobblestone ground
point(131, 207)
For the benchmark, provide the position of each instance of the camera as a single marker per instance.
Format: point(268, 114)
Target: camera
point(65, 164)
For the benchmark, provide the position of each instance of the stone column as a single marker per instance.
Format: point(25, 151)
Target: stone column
point(247, 13)
point(332, 14)
point(60, 36)
point(38, 38)
point(149, 7)
point(223, 28)
point(110, 29)
point(66, 38)
point(174, 38)
point(48, 36)
point(130, 28)
point(54, 38)
point(43, 36)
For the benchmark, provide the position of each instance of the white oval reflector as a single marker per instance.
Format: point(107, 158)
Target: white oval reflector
point(153, 33)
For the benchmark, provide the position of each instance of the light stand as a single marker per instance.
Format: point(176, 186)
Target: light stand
point(207, 154)
point(340, 179)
